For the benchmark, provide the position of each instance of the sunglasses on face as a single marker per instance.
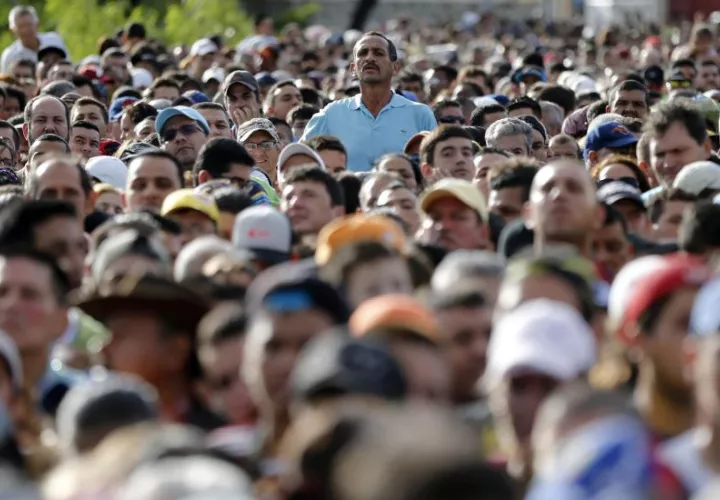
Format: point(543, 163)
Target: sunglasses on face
point(452, 119)
point(679, 84)
point(184, 130)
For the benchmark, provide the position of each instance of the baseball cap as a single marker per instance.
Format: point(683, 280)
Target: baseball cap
point(240, 76)
point(415, 140)
point(624, 284)
point(128, 242)
point(51, 42)
point(336, 364)
point(203, 47)
point(541, 336)
point(9, 352)
point(616, 191)
point(609, 135)
point(189, 199)
point(265, 79)
point(217, 74)
point(654, 74)
point(705, 316)
point(394, 312)
point(190, 113)
point(530, 71)
point(117, 107)
point(196, 97)
point(265, 232)
point(107, 169)
point(698, 176)
point(355, 228)
point(244, 131)
point(297, 148)
point(459, 189)
point(141, 78)
point(677, 272)
point(294, 287)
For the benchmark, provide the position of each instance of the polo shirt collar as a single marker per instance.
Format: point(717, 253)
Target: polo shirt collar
point(397, 101)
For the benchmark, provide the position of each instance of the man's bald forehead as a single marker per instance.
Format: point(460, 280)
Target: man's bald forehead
point(53, 161)
point(564, 167)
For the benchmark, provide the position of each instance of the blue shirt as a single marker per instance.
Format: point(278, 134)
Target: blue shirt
point(365, 137)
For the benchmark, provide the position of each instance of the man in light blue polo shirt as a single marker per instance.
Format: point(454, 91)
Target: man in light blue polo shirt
point(377, 121)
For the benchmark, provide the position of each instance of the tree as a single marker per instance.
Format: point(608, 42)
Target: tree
point(193, 19)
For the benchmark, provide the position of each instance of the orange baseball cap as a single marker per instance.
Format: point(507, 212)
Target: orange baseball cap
point(394, 311)
point(355, 228)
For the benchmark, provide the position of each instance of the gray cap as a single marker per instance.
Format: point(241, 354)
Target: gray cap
point(248, 128)
point(128, 242)
point(240, 76)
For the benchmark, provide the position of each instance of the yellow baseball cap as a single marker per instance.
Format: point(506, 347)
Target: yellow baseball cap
point(461, 190)
point(352, 229)
point(188, 199)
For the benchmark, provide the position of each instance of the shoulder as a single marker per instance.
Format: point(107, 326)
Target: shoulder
point(339, 106)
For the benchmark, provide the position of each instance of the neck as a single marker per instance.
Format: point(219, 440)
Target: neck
point(278, 422)
point(32, 42)
point(664, 414)
point(375, 96)
point(582, 244)
point(34, 363)
point(173, 397)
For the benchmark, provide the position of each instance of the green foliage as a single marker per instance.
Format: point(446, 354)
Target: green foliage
point(82, 23)
point(193, 19)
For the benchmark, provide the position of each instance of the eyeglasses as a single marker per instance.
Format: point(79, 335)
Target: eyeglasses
point(452, 119)
point(265, 145)
point(680, 84)
point(185, 130)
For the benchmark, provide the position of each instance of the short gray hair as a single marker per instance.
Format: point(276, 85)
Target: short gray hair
point(22, 10)
point(507, 127)
point(552, 112)
point(467, 263)
point(194, 255)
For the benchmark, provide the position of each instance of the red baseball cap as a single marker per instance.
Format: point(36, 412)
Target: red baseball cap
point(679, 271)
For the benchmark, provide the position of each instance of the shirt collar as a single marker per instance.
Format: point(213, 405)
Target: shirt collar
point(397, 101)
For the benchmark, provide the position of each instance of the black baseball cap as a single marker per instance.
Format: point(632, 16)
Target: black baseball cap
point(243, 77)
point(335, 364)
point(654, 74)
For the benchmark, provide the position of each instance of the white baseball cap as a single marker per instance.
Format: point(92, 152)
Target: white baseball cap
point(108, 169)
point(265, 232)
point(624, 283)
point(540, 336)
point(203, 47)
point(695, 177)
point(297, 148)
point(214, 73)
point(141, 78)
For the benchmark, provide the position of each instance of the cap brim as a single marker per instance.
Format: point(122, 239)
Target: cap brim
point(238, 82)
point(611, 200)
point(246, 134)
point(183, 311)
point(440, 194)
point(272, 257)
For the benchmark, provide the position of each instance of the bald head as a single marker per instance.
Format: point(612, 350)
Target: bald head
point(46, 114)
point(562, 206)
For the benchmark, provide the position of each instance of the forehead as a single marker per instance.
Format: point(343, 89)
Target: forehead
point(562, 171)
point(304, 186)
point(87, 108)
point(214, 114)
point(48, 105)
point(238, 88)
point(287, 89)
point(23, 268)
point(150, 166)
point(448, 203)
point(631, 94)
point(371, 42)
point(58, 170)
point(178, 121)
point(455, 142)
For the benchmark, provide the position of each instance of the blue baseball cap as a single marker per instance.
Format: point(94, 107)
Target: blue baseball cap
point(196, 97)
point(501, 99)
point(538, 73)
point(410, 96)
point(190, 113)
point(610, 135)
point(117, 107)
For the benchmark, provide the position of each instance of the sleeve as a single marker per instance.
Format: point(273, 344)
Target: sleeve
point(4, 63)
point(316, 126)
point(427, 121)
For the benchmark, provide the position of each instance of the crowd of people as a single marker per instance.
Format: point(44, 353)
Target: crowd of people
point(469, 261)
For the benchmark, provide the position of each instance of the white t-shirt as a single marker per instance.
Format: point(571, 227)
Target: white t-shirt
point(682, 456)
point(16, 51)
